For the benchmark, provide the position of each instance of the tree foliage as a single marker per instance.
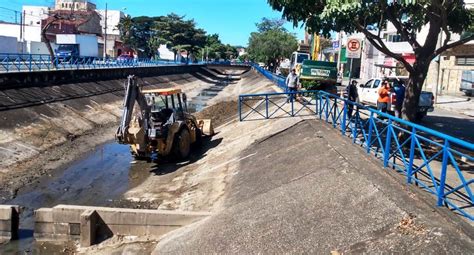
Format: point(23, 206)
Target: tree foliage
point(271, 42)
point(145, 34)
point(136, 33)
point(215, 49)
point(178, 34)
point(407, 16)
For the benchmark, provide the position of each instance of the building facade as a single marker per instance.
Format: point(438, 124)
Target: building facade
point(111, 34)
point(74, 5)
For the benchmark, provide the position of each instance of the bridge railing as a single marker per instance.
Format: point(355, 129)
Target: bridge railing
point(43, 62)
point(277, 79)
point(440, 164)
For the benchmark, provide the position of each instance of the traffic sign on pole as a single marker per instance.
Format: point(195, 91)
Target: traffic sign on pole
point(353, 48)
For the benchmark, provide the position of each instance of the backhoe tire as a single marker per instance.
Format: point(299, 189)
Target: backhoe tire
point(182, 144)
point(198, 142)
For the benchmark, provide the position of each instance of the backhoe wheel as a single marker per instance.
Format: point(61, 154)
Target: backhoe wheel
point(182, 144)
point(198, 142)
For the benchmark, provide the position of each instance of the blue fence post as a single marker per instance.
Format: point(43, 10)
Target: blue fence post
point(369, 133)
point(320, 100)
point(334, 115)
point(240, 108)
point(388, 141)
point(343, 122)
point(442, 178)
point(292, 106)
point(30, 66)
point(412, 154)
point(266, 106)
point(356, 122)
point(316, 103)
point(327, 109)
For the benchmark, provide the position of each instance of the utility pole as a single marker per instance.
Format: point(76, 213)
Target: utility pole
point(21, 32)
point(105, 31)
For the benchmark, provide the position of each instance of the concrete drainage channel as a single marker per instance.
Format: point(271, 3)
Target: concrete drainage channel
point(98, 179)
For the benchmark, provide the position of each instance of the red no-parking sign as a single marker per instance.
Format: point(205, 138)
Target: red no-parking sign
point(353, 48)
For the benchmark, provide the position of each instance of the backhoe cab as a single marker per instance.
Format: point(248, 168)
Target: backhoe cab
point(162, 127)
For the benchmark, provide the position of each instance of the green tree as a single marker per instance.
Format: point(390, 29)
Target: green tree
point(271, 42)
point(408, 17)
point(215, 49)
point(270, 24)
point(136, 33)
point(178, 34)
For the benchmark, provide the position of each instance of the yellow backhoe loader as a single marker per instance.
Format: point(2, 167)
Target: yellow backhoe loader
point(162, 126)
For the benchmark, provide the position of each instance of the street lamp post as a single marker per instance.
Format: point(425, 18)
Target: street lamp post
point(105, 32)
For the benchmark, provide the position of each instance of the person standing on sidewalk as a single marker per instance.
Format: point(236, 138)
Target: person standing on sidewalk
point(352, 95)
point(292, 82)
point(399, 90)
point(384, 97)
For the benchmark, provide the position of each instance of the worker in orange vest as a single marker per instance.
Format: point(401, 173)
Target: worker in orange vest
point(384, 97)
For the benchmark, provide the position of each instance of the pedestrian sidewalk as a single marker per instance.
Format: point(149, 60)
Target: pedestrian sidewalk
point(458, 104)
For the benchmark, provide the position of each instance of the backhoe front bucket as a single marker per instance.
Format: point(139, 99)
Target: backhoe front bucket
point(206, 126)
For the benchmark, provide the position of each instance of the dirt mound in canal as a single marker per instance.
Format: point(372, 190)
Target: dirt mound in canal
point(220, 113)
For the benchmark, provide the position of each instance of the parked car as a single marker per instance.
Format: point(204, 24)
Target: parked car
point(467, 83)
point(368, 94)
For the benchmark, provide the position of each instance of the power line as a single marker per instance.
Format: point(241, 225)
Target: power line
point(15, 11)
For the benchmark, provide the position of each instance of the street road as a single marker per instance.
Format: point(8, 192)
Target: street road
point(451, 123)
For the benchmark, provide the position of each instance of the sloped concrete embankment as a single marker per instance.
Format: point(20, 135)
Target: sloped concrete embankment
point(37, 117)
point(297, 186)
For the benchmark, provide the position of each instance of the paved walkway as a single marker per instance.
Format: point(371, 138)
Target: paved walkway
point(309, 190)
point(458, 104)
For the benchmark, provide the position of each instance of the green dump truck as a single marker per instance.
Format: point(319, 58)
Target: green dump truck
point(319, 75)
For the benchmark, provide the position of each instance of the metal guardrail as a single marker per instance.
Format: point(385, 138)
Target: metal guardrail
point(277, 79)
point(41, 62)
point(440, 164)
point(285, 105)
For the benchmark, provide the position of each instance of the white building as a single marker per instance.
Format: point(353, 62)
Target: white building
point(165, 53)
point(33, 15)
point(113, 20)
point(80, 5)
point(112, 32)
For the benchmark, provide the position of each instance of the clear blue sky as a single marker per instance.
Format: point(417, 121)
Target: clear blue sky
point(233, 20)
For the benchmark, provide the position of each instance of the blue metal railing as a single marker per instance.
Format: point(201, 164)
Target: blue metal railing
point(277, 105)
point(277, 79)
point(43, 62)
point(440, 164)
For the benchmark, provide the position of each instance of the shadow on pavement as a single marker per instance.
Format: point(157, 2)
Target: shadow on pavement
point(163, 166)
point(456, 127)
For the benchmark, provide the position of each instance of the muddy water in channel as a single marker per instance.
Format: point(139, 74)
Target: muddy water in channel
point(100, 178)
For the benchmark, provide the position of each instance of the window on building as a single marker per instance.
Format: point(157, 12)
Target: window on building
point(465, 61)
point(62, 5)
point(394, 38)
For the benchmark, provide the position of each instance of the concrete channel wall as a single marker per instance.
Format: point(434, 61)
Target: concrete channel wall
point(9, 222)
point(94, 224)
point(57, 77)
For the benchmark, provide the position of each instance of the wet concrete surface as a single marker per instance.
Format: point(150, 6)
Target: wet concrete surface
point(98, 179)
